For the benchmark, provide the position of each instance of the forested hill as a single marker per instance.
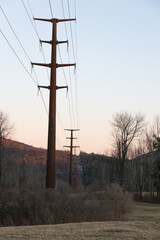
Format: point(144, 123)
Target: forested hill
point(93, 170)
point(17, 152)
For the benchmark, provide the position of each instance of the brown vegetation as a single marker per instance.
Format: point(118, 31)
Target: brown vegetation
point(142, 224)
point(45, 207)
point(17, 152)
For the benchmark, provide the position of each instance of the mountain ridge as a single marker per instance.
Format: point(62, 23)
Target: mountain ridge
point(18, 152)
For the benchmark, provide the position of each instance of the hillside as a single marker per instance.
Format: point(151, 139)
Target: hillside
point(17, 152)
point(93, 170)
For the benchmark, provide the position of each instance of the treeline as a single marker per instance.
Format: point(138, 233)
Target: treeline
point(95, 172)
point(141, 174)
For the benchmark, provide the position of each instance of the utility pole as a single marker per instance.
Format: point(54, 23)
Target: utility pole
point(71, 153)
point(51, 151)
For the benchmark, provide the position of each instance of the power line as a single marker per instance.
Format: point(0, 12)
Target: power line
point(17, 39)
point(69, 104)
point(51, 8)
point(71, 92)
point(22, 45)
point(69, 69)
point(30, 19)
point(15, 34)
point(75, 56)
point(24, 53)
point(71, 30)
point(76, 87)
point(61, 123)
point(76, 75)
point(75, 7)
point(36, 31)
point(23, 67)
point(18, 57)
point(76, 46)
point(30, 9)
point(64, 17)
point(43, 101)
point(76, 79)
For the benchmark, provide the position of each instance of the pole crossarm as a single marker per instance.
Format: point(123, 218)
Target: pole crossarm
point(42, 64)
point(50, 65)
point(67, 129)
point(60, 42)
point(66, 20)
point(66, 65)
point(43, 41)
point(55, 19)
point(60, 87)
point(48, 87)
point(72, 146)
point(50, 42)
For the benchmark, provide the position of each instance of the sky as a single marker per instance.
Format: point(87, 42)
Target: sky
point(116, 47)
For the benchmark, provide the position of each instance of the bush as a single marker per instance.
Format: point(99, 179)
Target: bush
point(119, 202)
point(46, 207)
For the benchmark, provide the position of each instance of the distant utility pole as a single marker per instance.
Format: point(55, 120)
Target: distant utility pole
point(71, 153)
point(51, 151)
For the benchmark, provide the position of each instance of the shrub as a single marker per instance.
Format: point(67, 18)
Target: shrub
point(119, 202)
point(46, 207)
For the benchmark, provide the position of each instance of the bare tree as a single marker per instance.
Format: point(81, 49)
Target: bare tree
point(152, 133)
point(6, 129)
point(139, 168)
point(126, 128)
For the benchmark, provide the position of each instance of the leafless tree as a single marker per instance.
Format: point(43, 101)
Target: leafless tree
point(6, 130)
point(126, 128)
point(139, 168)
point(152, 133)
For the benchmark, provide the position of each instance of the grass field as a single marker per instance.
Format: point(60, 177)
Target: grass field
point(142, 224)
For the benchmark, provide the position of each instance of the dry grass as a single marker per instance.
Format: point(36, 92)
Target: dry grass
point(147, 212)
point(143, 225)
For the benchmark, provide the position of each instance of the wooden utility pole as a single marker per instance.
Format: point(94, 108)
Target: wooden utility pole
point(71, 153)
point(51, 151)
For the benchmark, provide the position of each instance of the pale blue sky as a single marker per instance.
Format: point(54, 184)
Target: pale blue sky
point(118, 67)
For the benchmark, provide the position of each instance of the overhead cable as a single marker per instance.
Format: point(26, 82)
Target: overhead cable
point(69, 62)
point(36, 31)
point(51, 8)
point(71, 31)
point(18, 57)
point(23, 51)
